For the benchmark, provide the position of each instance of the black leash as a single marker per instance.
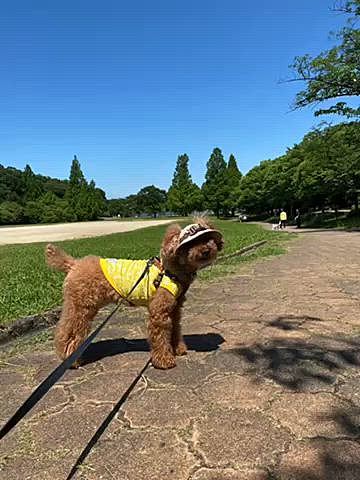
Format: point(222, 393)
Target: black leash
point(59, 371)
point(105, 423)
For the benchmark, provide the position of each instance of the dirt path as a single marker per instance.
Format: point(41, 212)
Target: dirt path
point(270, 389)
point(68, 231)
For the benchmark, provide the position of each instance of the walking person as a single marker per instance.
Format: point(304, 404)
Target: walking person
point(298, 218)
point(283, 218)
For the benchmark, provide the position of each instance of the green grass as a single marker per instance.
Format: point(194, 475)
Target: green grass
point(144, 219)
point(28, 286)
point(329, 220)
point(276, 245)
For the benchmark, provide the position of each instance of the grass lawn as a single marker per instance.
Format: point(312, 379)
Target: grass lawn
point(330, 220)
point(28, 286)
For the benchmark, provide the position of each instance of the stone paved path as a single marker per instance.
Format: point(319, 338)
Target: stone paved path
point(270, 389)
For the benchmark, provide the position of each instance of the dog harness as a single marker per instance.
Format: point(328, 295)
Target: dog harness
point(123, 274)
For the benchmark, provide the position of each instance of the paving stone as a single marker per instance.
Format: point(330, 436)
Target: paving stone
point(81, 374)
point(54, 401)
point(14, 392)
point(48, 448)
point(44, 363)
point(112, 382)
point(349, 388)
point(238, 391)
point(102, 388)
point(188, 373)
point(293, 364)
point(321, 460)
point(140, 455)
point(228, 361)
point(239, 438)
point(163, 408)
point(229, 474)
point(319, 414)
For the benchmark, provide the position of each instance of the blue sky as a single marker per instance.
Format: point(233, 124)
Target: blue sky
point(128, 86)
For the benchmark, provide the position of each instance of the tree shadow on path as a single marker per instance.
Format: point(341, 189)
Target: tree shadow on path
point(301, 364)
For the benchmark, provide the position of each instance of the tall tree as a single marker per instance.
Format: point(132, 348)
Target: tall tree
point(334, 73)
point(216, 186)
point(33, 187)
point(234, 179)
point(77, 178)
point(77, 193)
point(184, 196)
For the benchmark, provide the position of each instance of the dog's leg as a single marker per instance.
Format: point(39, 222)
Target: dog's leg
point(72, 329)
point(85, 291)
point(160, 329)
point(177, 341)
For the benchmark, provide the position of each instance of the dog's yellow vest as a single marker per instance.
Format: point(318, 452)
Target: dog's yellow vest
point(123, 275)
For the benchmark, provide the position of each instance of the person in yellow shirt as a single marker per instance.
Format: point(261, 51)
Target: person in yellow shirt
point(283, 218)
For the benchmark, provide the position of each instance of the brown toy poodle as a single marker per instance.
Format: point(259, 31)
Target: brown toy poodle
point(92, 282)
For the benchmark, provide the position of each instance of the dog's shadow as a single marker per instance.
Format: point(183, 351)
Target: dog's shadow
point(207, 342)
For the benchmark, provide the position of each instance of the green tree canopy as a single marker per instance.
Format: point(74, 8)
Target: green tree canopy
point(42, 199)
point(85, 200)
point(11, 213)
point(151, 200)
point(234, 180)
point(184, 196)
point(216, 186)
point(77, 178)
point(334, 73)
point(322, 170)
point(32, 184)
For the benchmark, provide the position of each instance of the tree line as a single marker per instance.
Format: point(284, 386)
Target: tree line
point(29, 198)
point(219, 193)
point(323, 170)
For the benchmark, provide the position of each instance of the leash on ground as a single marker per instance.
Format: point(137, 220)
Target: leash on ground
point(92, 442)
point(59, 371)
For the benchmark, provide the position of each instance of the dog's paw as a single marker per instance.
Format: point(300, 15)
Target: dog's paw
point(163, 360)
point(181, 349)
point(77, 364)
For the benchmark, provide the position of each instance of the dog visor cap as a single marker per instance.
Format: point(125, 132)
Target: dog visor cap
point(194, 231)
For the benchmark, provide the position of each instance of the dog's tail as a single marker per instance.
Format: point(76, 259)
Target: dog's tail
point(58, 259)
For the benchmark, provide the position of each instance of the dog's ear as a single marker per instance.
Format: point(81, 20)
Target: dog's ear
point(170, 241)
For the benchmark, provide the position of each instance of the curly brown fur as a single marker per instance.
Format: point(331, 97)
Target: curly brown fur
point(86, 290)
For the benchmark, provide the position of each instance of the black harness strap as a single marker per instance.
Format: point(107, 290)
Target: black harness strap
point(59, 371)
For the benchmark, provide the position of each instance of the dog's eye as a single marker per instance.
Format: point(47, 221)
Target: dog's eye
point(206, 254)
